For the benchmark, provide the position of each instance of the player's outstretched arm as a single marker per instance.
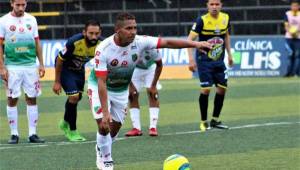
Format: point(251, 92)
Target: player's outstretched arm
point(178, 43)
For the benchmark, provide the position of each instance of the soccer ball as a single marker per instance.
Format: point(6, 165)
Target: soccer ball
point(176, 162)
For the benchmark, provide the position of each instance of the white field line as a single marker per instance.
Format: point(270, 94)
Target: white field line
point(26, 145)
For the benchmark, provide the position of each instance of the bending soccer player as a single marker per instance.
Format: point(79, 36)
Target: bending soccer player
point(146, 74)
point(115, 60)
point(70, 74)
point(214, 28)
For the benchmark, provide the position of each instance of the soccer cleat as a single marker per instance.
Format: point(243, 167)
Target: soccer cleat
point(109, 165)
point(204, 126)
point(134, 132)
point(64, 126)
point(35, 139)
point(153, 132)
point(99, 161)
point(74, 136)
point(218, 124)
point(14, 139)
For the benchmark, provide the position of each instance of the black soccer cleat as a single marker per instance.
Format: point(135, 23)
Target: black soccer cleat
point(35, 139)
point(14, 139)
point(217, 124)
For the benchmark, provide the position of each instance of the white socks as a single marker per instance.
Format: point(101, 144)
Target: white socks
point(12, 116)
point(32, 115)
point(135, 118)
point(154, 111)
point(104, 143)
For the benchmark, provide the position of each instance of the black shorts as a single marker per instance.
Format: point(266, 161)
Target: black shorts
point(72, 82)
point(212, 74)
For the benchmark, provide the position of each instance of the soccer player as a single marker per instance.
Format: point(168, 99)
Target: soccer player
point(214, 28)
point(18, 68)
point(146, 74)
point(115, 60)
point(70, 74)
point(292, 35)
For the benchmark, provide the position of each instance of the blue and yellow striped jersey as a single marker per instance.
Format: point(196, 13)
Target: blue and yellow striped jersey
point(212, 30)
point(76, 53)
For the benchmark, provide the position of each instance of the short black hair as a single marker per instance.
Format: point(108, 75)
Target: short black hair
point(14, 1)
point(294, 1)
point(93, 23)
point(123, 16)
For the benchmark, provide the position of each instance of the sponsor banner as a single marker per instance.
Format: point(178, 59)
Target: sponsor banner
point(258, 56)
point(253, 56)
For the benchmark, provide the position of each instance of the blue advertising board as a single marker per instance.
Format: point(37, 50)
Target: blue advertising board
point(258, 56)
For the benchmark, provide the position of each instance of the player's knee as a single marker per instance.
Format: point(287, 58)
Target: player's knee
point(30, 100)
point(133, 96)
point(12, 102)
point(74, 99)
point(221, 90)
point(103, 129)
point(205, 91)
point(153, 97)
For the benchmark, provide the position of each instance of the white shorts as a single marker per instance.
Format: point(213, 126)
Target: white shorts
point(143, 77)
point(117, 103)
point(27, 78)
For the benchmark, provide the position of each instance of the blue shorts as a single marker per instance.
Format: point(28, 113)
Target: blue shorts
point(72, 82)
point(212, 74)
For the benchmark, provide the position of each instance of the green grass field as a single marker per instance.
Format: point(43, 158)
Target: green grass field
point(263, 113)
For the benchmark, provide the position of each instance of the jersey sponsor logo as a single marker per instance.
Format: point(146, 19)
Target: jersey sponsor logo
point(217, 50)
point(215, 40)
point(12, 28)
point(114, 62)
point(124, 64)
point(134, 57)
point(29, 27)
point(21, 49)
point(21, 30)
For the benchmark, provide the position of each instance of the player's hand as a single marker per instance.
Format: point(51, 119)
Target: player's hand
point(41, 71)
point(56, 88)
point(230, 60)
point(192, 66)
point(106, 119)
point(4, 74)
point(153, 92)
point(203, 46)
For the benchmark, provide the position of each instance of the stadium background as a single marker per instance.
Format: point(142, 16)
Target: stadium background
point(263, 113)
point(257, 28)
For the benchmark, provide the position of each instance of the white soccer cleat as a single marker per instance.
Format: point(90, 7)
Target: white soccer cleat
point(99, 161)
point(108, 165)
